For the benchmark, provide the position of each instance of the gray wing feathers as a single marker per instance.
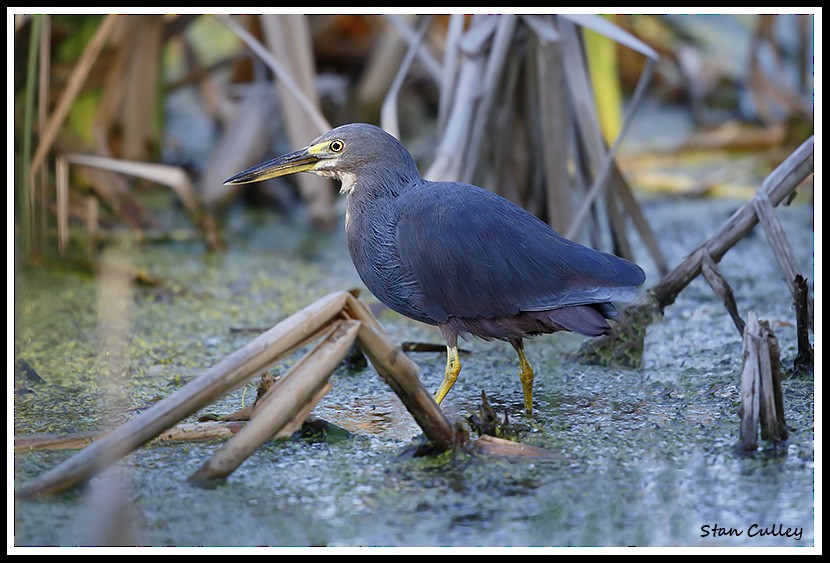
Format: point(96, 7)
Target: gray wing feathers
point(478, 255)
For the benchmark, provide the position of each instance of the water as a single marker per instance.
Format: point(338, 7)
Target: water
point(641, 457)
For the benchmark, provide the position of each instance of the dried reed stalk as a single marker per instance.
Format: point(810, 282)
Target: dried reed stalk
point(283, 402)
point(401, 374)
point(761, 398)
point(73, 87)
point(289, 43)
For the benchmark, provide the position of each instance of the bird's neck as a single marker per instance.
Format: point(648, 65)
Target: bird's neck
point(371, 203)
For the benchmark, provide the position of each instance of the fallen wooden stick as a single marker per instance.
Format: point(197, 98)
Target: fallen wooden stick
point(401, 374)
point(228, 374)
point(283, 402)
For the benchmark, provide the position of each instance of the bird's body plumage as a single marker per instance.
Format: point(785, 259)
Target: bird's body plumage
point(459, 256)
point(462, 257)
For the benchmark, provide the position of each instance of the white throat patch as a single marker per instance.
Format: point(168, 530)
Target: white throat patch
point(347, 182)
point(347, 179)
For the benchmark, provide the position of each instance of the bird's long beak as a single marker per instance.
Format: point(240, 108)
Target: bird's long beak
point(298, 161)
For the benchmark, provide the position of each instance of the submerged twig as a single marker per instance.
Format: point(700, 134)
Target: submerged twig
point(499, 446)
point(188, 432)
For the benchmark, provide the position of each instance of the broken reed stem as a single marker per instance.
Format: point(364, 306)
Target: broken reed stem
point(750, 392)
point(723, 290)
point(803, 362)
point(284, 406)
point(401, 374)
point(225, 376)
point(762, 403)
point(283, 402)
point(623, 344)
point(773, 424)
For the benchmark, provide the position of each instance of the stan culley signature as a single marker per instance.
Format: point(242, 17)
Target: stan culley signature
point(753, 531)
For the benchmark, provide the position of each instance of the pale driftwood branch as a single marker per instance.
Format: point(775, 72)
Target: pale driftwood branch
point(228, 374)
point(173, 177)
point(777, 186)
point(281, 404)
point(401, 374)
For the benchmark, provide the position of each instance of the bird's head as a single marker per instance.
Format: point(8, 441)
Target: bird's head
point(345, 153)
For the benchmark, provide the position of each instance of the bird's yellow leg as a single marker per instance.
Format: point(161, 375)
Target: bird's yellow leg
point(526, 376)
point(450, 375)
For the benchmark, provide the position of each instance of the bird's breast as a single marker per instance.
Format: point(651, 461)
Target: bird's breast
point(374, 250)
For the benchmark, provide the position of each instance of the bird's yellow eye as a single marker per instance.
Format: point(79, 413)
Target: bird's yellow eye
point(336, 146)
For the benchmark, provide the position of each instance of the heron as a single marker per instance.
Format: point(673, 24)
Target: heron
point(455, 255)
